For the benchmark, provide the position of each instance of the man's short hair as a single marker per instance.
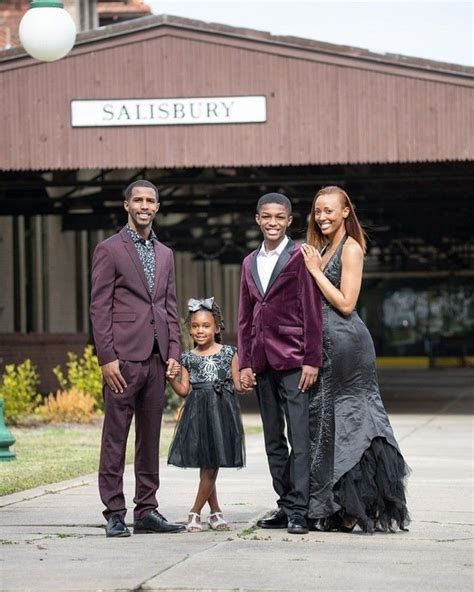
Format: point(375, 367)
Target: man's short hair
point(274, 198)
point(140, 183)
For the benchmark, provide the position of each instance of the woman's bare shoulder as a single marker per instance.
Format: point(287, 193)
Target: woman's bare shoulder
point(352, 248)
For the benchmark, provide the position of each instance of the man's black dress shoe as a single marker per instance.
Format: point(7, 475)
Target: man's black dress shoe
point(297, 524)
point(116, 527)
point(155, 522)
point(276, 520)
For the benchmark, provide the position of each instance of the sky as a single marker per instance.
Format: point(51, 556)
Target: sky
point(430, 29)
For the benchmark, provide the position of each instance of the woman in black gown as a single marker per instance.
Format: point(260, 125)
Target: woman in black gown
point(357, 471)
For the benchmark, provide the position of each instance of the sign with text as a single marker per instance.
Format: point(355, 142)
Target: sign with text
point(178, 111)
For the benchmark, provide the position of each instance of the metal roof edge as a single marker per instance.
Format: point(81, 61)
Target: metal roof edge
point(224, 164)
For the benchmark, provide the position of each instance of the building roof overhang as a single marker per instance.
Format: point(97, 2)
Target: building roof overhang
point(389, 108)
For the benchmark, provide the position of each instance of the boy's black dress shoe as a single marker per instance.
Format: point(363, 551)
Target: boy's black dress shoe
point(116, 527)
point(276, 520)
point(297, 524)
point(156, 522)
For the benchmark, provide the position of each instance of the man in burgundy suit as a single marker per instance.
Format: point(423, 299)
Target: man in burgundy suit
point(136, 332)
point(280, 342)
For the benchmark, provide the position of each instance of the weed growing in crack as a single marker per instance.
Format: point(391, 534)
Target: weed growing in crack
point(247, 532)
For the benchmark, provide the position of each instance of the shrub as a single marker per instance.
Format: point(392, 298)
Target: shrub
point(173, 401)
point(83, 374)
point(72, 406)
point(18, 389)
point(187, 342)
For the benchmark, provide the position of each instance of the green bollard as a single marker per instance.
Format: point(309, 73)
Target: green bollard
point(6, 438)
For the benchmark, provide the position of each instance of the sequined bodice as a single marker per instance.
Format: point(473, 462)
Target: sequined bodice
point(209, 368)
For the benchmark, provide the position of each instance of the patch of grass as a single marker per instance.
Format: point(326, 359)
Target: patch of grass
point(47, 454)
point(247, 532)
point(250, 430)
point(249, 535)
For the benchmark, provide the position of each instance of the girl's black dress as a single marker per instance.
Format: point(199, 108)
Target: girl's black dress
point(356, 466)
point(209, 433)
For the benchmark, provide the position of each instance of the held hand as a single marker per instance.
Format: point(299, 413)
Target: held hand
point(247, 379)
point(113, 377)
point(309, 374)
point(172, 369)
point(312, 258)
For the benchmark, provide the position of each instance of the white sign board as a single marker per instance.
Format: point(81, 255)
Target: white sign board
point(176, 111)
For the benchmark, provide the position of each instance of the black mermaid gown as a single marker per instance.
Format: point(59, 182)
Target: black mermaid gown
point(356, 466)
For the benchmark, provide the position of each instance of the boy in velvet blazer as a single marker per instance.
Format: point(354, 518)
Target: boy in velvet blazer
point(280, 343)
point(136, 332)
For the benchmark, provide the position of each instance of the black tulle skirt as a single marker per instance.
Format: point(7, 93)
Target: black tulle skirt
point(373, 491)
point(209, 433)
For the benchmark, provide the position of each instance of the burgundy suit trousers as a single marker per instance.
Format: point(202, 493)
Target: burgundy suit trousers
point(144, 397)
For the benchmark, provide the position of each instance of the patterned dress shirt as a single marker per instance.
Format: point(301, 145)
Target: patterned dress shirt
point(146, 252)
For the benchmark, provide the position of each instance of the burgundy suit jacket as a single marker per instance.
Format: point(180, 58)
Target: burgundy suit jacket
point(124, 314)
point(281, 327)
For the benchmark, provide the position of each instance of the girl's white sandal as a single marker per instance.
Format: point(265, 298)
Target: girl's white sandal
point(194, 522)
point(216, 521)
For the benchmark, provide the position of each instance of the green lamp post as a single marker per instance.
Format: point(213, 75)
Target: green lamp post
point(6, 438)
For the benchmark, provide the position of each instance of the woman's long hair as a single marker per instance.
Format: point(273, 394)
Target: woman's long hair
point(314, 235)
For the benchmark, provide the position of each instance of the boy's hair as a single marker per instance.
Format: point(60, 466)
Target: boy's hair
point(218, 319)
point(275, 198)
point(140, 183)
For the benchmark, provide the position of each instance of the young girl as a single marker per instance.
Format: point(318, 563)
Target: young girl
point(209, 433)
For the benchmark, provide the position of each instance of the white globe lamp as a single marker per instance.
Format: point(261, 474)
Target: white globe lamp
point(47, 31)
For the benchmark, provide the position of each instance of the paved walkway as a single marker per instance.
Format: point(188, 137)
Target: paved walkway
point(53, 539)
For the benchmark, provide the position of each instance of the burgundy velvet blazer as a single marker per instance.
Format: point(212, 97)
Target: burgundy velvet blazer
point(125, 316)
point(281, 327)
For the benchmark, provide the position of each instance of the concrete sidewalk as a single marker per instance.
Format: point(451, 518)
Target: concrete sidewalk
point(53, 539)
